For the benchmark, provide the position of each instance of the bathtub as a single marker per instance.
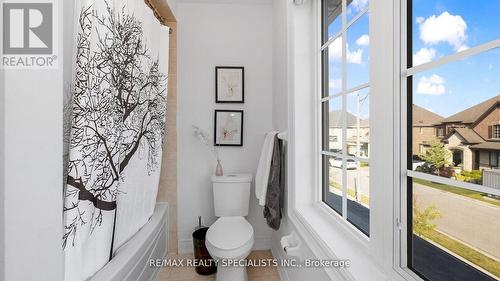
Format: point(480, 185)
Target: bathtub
point(131, 261)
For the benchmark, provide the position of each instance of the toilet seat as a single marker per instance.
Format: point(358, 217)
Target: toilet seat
point(230, 237)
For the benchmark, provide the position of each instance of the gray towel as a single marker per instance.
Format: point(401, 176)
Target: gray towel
point(275, 186)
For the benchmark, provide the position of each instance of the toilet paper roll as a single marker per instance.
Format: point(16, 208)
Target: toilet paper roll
point(291, 245)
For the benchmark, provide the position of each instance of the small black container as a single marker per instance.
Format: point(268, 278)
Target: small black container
point(201, 254)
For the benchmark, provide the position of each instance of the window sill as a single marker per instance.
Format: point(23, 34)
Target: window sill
point(329, 237)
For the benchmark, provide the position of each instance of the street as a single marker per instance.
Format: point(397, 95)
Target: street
point(474, 222)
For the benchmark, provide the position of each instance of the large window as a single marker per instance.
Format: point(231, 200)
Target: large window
point(453, 196)
point(345, 107)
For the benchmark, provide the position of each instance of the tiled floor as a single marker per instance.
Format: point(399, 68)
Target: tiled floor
point(189, 274)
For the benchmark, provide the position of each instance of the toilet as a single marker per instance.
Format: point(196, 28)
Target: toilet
point(230, 239)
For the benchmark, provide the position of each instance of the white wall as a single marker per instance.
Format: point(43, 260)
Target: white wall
point(32, 186)
point(284, 54)
point(2, 174)
point(220, 33)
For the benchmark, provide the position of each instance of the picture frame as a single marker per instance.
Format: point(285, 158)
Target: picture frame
point(228, 128)
point(229, 84)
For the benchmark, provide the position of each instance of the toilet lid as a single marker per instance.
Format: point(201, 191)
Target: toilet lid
point(229, 233)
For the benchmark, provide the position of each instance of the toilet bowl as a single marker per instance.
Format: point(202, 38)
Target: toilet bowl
point(230, 239)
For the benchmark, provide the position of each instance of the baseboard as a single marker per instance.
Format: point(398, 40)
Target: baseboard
point(185, 246)
point(262, 243)
point(278, 254)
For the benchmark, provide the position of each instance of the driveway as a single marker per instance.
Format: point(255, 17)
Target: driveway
point(474, 222)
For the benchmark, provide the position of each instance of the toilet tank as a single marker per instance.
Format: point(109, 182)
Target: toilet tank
point(231, 194)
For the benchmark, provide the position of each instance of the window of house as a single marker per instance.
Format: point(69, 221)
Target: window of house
point(345, 101)
point(496, 131)
point(452, 69)
point(440, 132)
point(494, 157)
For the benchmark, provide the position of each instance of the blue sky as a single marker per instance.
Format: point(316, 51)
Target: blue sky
point(440, 28)
point(357, 57)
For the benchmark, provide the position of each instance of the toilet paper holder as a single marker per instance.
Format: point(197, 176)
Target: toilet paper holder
point(291, 244)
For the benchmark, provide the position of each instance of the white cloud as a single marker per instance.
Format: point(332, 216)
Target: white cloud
point(355, 57)
point(363, 40)
point(424, 55)
point(335, 83)
point(444, 28)
point(462, 48)
point(420, 20)
point(433, 85)
point(357, 6)
point(335, 52)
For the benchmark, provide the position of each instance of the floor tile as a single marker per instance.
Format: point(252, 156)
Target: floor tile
point(189, 274)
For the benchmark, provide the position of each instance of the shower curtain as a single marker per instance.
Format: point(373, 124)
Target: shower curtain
point(117, 119)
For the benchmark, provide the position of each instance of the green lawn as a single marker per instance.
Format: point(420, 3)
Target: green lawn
point(466, 252)
point(460, 191)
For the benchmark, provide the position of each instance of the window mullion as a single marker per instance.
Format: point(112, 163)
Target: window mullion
point(344, 109)
point(452, 58)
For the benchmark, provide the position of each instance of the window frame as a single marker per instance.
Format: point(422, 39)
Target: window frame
point(496, 132)
point(323, 230)
point(325, 99)
point(326, 234)
point(406, 175)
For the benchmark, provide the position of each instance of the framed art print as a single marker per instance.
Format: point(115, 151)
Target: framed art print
point(228, 128)
point(229, 84)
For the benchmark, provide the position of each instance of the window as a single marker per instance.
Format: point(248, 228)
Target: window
point(496, 131)
point(345, 106)
point(440, 132)
point(422, 148)
point(452, 70)
point(494, 157)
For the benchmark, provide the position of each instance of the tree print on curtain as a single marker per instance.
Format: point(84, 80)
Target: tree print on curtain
point(118, 114)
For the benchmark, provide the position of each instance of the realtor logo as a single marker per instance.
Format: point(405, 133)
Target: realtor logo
point(28, 35)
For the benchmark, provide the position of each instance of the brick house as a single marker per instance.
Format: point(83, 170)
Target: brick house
point(354, 137)
point(473, 136)
point(425, 128)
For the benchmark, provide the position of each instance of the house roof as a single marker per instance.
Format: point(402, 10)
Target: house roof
point(424, 117)
point(491, 145)
point(336, 120)
point(472, 114)
point(469, 135)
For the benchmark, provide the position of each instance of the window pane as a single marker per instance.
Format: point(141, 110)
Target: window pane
point(457, 106)
point(448, 26)
point(332, 125)
point(332, 182)
point(332, 68)
point(354, 7)
point(332, 18)
point(358, 123)
point(455, 233)
point(358, 194)
point(358, 53)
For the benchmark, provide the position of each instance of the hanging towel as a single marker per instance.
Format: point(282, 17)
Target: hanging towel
point(262, 175)
point(275, 186)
